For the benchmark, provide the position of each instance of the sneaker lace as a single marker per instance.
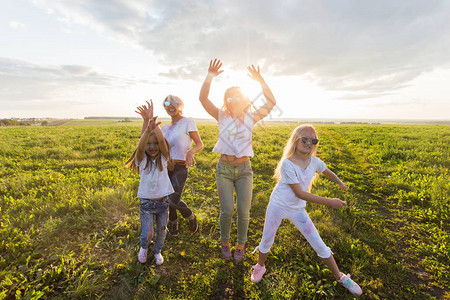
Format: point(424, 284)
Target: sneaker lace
point(348, 283)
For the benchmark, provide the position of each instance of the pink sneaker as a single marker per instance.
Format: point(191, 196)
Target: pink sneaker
point(226, 252)
point(239, 255)
point(258, 272)
point(350, 285)
point(142, 257)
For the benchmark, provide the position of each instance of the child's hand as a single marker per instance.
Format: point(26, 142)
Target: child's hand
point(337, 203)
point(146, 111)
point(214, 67)
point(343, 186)
point(255, 73)
point(152, 124)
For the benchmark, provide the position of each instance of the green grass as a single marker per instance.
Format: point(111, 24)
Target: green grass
point(70, 217)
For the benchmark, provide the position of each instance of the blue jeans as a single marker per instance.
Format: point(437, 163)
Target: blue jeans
point(154, 211)
point(229, 178)
point(178, 177)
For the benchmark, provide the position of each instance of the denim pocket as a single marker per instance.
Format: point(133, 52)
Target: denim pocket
point(147, 205)
point(165, 201)
point(221, 169)
point(247, 169)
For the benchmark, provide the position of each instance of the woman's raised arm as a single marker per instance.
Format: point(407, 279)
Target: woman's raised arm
point(264, 110)
point(213, 71)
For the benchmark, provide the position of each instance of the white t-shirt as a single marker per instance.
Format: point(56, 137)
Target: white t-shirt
point(154, 184)
point(235, 135)
point(178, 137)
point(283, 195)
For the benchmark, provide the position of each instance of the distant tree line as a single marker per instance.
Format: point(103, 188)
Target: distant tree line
point(9, 122)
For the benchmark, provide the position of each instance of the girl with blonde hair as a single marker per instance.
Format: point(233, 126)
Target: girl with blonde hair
point(151, 158)
point(180, 133)
point(294, 174)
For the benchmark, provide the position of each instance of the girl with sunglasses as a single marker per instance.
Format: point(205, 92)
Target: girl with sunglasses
point(233, 171)
point(180, 133)
point(294, 174)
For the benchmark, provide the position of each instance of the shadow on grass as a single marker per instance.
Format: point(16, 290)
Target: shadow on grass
point(229, 281)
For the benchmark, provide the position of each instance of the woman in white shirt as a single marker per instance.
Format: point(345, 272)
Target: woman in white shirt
point(180, 133)
point(233, 171)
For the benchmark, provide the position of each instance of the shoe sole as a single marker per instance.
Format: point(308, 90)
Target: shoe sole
point(192, 232)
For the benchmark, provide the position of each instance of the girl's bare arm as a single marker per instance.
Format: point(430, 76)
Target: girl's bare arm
point(264, 110)
point(333, 177)
point(140, 151)
point(333, 202)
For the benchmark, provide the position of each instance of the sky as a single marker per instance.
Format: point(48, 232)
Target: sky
point(344, 59)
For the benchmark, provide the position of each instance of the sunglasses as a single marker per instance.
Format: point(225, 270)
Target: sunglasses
point(167, 103)
point(229, 99)
point(307, 140)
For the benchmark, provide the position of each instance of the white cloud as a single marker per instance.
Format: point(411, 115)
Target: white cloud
point(366, 46)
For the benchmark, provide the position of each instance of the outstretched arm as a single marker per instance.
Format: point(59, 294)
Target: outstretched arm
point(264, 110)
point(330, 174)
point(161, 141)
point(140, 151)
point(213, 71)
point(333, 202)
point(146, 113)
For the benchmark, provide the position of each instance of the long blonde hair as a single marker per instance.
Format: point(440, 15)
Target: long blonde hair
point(291, 147)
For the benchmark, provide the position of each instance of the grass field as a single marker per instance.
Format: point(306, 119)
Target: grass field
point(70, 217)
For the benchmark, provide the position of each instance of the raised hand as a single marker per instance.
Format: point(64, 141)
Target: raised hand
point(214, 67)
point(152, 124)
point(255, 73)
point(146, 111)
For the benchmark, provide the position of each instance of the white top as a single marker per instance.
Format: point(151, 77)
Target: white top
point(178, 137)
point(283, 195)
point(154, 184)
point(235, 135)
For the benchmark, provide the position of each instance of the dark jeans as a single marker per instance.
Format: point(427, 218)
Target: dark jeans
point(154, 212)
point(178, 178)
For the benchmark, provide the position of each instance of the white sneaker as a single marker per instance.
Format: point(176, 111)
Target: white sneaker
point(350, 285)
point(159, 259)
point(142, 257)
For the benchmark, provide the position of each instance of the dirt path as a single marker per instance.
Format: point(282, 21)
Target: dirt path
point(58, 122)
point(395, 224)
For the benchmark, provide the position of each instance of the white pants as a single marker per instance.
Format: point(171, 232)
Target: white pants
point(300, 218)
